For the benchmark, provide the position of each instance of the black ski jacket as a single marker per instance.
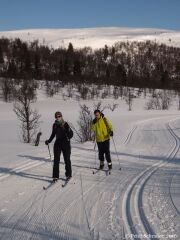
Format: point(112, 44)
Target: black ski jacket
point(63, 133)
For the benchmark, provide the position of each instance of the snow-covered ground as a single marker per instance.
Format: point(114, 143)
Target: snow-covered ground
point(142, 201)
point(94, 37)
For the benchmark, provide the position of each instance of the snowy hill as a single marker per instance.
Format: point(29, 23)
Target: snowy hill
point(94, 37)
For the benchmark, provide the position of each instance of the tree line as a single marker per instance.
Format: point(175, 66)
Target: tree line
point(136, 64)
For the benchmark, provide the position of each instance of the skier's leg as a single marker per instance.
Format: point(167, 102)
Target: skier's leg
point(66, 154)
point(107, 153)
point(101, 154)
point(57, 153)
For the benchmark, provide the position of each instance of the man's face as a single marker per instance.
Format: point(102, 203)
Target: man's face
point(97, 115)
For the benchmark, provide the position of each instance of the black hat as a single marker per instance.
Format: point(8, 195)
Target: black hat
point(97, 111)
point(58, 114)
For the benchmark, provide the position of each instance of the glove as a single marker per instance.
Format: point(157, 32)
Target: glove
point(46, 142)
point(94, 121)
point(111, 133)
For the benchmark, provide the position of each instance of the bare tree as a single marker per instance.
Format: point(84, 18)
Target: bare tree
point(7, 86)
point(29, 118)
point(77, 136)
point(84, 91)
point(113, 106)
point(117, 91)
point(99, 106)
point(69, 90)
point(129, 99)
point(84, 134)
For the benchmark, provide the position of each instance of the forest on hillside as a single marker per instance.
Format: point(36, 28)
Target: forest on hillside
point(134, 64)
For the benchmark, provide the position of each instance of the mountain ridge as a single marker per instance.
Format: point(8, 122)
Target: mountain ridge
point(94, 37)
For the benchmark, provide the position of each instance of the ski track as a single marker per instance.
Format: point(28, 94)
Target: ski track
point(168, 214)
point(25, 166)
point(135, 220)
point(84, 208)
point(128, 138)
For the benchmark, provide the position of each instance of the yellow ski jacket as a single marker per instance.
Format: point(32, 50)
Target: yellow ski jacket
point(101, 130)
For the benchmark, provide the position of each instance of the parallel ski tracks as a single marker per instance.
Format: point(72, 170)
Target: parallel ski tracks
point(17, 170)
point(23, 167)
point(135, 221)
point(64, 220)
point(177, 139)
point(129, 136)
point(20, 217)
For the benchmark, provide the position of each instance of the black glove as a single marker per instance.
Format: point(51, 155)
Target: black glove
point(111, 133)
point(94, 120)
point(46, 142)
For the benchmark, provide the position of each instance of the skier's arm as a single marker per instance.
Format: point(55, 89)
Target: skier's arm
point(109, 125)
point(52, 134)
point(69, 131)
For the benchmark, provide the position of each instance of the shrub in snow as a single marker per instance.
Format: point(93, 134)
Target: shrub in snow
point(113, 106)
point(160, 100)
point(99, 106)
point(129, 99)
point(83, 133)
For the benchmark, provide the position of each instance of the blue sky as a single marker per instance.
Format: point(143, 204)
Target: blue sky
point(24, 14)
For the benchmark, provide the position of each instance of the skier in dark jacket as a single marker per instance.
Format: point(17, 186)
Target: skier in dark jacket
point(63, 134)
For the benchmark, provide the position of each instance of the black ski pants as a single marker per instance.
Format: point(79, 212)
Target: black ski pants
point(104, 149)
point(65, 148)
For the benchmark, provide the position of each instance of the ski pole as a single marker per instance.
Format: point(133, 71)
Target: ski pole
point(95, 155)
point(116, 153)
point(49, 152)
point(95, 146)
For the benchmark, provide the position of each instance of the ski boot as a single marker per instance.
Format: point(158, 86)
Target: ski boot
point(110, 165)
point(101, 166)
point(55, 180)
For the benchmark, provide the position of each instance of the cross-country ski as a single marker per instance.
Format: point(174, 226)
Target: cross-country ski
point(66, 182)
point(49, 185)
point(107, 171)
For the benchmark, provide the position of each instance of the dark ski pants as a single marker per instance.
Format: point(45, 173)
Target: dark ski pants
point(104, 149)
point(65, 148)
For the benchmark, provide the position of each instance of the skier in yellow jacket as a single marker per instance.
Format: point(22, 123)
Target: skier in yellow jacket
point(103, 131)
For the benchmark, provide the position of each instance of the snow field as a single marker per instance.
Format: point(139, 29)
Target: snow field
point(142, 198)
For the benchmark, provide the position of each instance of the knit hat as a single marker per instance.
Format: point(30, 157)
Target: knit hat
point(58, 114)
